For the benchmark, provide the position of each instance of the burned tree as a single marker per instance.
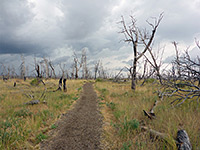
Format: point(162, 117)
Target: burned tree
point(62, 68)
point(186, 87)
point(96, 68)
point(46, 63)
point(52, 69)
point(77, 65)
point(136, 36)
point(84, 64)
point(22, 67)
point(155, 62)
point(64, 85)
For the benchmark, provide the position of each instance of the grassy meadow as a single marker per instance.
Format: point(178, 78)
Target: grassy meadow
point(123, 114)
point(24, 126)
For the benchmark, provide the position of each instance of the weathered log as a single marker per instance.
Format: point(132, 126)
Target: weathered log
point(155, 133)
point(183, 141)
point(33, 102)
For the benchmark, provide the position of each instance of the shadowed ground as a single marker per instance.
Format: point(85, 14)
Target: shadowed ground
point(80, 128)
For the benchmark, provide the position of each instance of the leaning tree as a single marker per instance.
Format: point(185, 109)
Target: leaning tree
point(138, 37)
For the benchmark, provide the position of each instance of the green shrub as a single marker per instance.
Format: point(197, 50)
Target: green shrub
point(34, 82)
point(53, 126)
point(99, 80)
point(41, 137)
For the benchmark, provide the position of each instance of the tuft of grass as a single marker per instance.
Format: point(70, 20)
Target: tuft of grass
point(40, 137)
point(111, 105)
point(54, 126)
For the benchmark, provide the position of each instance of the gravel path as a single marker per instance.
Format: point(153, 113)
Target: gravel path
point(80, 128)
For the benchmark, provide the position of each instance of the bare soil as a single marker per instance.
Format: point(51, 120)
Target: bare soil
point(80, 128)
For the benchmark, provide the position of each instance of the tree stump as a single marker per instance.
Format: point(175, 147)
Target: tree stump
point(64, 85)
point(183, 140)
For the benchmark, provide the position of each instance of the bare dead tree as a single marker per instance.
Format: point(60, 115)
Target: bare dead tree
point(188, 87)
point(177, 60)
point(156, 62)
point(101, 71)
point(84, 64)
point(22, 67)
point(62, 68)
point(46, 63)
point(96, 68)
point(37, 69)
point(77, 65)
point(136, 36)
point(52, 68)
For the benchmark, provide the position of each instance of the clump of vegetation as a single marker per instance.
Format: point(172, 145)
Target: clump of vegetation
point(41, 137)
point(99, 80)
point(111, 105)
point(35, 82)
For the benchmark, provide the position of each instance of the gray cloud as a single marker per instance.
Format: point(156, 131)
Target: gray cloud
point(57, 28)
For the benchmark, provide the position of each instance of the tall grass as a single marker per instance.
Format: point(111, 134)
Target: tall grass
point(24, 126)
point(123, 114)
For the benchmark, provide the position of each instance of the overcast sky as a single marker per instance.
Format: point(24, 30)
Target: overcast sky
point(54, 29)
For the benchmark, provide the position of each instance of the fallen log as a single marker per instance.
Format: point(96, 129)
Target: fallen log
point(155, 133)
point(151, 114)
point(33, 102)
point(182, 141)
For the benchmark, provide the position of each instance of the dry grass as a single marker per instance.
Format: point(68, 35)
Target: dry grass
point(24, 126)
point(123, 109)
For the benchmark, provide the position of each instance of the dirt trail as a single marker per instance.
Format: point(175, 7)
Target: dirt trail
point(80, 128)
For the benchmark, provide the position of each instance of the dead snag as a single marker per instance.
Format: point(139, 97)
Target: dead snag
point(64, 85)
point(183, 141)
point(151, 114)
point(59, 86)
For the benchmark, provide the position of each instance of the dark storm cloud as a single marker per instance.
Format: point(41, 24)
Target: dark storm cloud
point(57, 28)
point(13, 15)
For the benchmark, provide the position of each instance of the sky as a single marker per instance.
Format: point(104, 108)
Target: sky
point(55, 29)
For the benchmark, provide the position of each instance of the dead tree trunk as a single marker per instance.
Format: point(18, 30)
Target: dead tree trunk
point(136, 36)
point(64, 85)
point(60, 84)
